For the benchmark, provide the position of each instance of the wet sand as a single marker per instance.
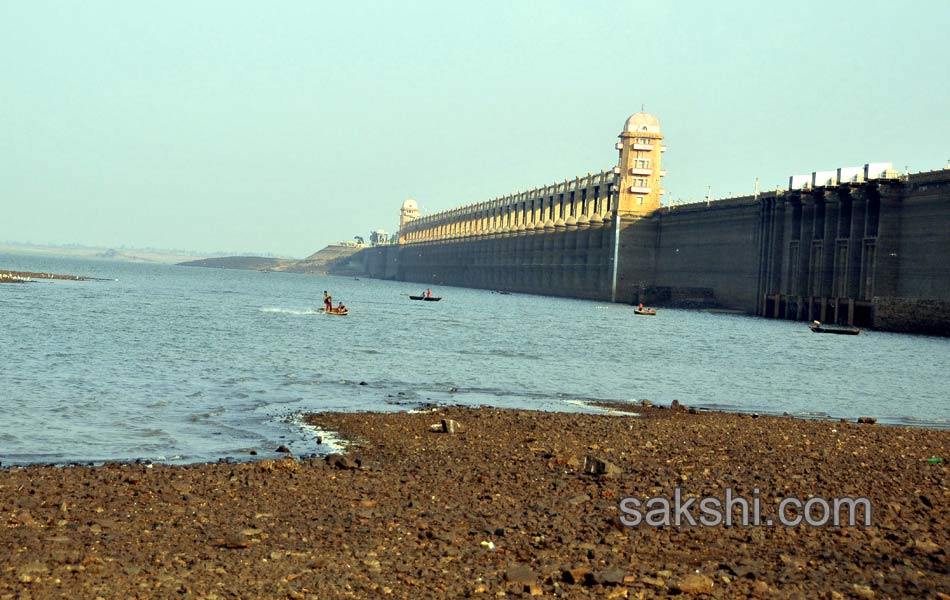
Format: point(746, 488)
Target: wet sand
point(501, 508)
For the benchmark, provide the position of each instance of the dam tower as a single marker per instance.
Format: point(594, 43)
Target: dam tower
point(407, 214)
point(640, 146)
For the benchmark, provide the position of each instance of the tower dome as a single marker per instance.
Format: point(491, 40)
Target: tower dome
point(642, 122)
point(408, 213)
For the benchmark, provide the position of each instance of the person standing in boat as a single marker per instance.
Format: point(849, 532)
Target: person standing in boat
point(428, 293)
point(327, 302)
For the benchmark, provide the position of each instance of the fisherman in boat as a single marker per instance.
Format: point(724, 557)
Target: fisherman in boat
point(640, 307)
point(327, 302)
point(341, 308)
point(428, 293)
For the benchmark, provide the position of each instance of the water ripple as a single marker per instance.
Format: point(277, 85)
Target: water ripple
point(187, 365)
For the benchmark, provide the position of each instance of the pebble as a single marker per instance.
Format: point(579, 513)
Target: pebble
point(341, 461)
point(520, 574)
point(451, 426)
point(598, 467)
point(692, 584)
point(611, 576)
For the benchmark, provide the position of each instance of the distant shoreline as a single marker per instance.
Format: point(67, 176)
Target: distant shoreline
point(128, 255)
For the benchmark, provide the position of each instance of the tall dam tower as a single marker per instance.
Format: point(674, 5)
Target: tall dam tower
point(407, 214)
point(641, 147)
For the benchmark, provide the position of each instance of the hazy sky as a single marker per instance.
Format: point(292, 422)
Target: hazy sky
point(284, 126)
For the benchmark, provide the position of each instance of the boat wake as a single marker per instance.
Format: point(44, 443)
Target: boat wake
point(288, 311)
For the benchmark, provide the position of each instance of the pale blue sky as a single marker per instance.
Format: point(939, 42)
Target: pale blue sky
point(282, 127)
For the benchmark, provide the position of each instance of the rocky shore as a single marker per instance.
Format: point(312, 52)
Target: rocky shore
point(486, 503)
point(26, 276)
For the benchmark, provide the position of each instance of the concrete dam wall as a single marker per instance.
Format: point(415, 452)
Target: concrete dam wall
point(873, 254)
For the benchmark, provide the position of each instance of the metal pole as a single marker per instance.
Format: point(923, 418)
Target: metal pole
point(613, 284)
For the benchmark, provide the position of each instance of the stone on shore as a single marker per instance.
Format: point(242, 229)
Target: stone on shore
point(596, 466)
point(692, 584)
point(341, 461)
point(451, 426)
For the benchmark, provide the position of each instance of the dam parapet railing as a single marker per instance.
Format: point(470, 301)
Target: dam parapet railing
point(577, 199)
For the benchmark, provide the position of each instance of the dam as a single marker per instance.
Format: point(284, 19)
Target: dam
point(862, 246)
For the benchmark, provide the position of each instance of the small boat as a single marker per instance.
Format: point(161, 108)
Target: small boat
point(426, 298)
point(645, 311)
point(341, 313)
point(817, 327)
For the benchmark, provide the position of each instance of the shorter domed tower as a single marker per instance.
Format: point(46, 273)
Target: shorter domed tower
point(408, 214)
point(640, 146)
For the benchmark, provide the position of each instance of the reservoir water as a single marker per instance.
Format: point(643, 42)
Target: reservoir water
point(179, 365)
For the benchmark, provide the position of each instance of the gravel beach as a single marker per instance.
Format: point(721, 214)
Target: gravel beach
point(505, 503)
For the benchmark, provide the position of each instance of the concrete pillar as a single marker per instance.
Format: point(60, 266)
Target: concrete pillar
point(839, 280)
point(535, 245)
point(832, 208)
point(887, 271)
point(804, 258)
point(582, 240)
point(771, 244)
point(547, 257)
point(469, 257)
point(596, 260)
point(869, 245)
point(507, 249)
point(859, 203)
point(791, 233)
point(569, 262)
point(520, 276)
